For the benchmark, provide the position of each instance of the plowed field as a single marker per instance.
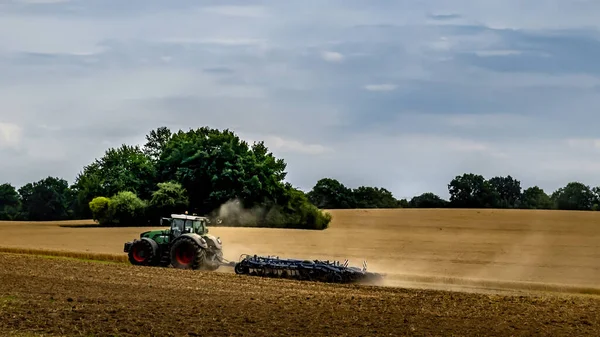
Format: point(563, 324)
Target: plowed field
point(73, 298)
point(508, 261)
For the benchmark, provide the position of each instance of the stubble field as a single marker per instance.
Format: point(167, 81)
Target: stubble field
point(525, 266)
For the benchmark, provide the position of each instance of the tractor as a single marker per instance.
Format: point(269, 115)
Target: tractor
point(185, 245)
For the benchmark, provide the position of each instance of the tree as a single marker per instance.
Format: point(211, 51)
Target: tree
point(170, 198)
point(428, 200)
point(471, 191)
point(156, 141)
point(47, 199)
point(9, 202)
point(403, 203)
point(574, 196)
point(329, 193)
point(217, 166)
point(373, 197)
point(508, 190)
point(535, 198)
point(126, 168)
point(297, 209)
point(127, 209)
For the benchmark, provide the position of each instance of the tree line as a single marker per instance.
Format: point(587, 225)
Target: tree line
point(468, 190)
point(202, 170)
point(197, 171)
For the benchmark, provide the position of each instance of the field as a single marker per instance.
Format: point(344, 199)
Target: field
point(512, 272)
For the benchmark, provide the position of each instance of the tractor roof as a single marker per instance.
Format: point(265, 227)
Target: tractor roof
point(186, 217)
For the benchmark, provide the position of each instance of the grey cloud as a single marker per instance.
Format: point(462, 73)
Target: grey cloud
point(469, 94)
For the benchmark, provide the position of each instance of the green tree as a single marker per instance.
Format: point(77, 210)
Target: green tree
point(428, 200)
point(403, 203)
point(216, 166)
point(9, 202)
point(127, 209)
point(297, 212)
point(471, 191)
point(47, 199)
point(126, 168)
point(170, 198)
point(329, 193)
point(508, 190)
point(535, 198)
point(373, 197)
point(574, 196)
point(156, 141)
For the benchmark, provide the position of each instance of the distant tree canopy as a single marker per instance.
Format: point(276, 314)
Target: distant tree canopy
point(468, 190)
point(209, 171)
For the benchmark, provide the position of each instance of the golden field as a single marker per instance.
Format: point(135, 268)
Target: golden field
point(469, 247)
point(517, 272)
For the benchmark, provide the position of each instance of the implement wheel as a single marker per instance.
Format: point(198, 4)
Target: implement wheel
point(187, 254)
point(143, 253)
point(241, 269)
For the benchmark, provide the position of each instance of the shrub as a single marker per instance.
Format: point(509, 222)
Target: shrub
point(100, 207)
point(127, 209)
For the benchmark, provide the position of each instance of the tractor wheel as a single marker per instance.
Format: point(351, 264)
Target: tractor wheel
point(187, 254)
point(142, 253)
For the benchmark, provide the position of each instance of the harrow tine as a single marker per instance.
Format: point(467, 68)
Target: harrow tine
point(317, 270)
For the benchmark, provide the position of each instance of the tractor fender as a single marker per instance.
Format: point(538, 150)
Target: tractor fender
point(197, 238)
point(213, 241)
point(153, 244)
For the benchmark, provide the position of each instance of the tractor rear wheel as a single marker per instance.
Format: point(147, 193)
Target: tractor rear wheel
point(142, 253)
point(187, 254)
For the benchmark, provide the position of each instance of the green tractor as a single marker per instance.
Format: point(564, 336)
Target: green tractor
point(185, 245)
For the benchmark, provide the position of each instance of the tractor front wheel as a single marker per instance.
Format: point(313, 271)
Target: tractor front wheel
point(186, 254)
point(142, 253)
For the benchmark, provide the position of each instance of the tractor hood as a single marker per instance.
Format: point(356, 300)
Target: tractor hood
point(149, 234)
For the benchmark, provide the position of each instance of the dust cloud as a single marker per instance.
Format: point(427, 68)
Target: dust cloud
point(233, 214)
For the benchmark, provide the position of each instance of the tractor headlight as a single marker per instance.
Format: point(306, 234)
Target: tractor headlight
point(219, 240)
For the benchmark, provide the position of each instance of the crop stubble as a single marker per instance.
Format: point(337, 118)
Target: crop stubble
point(70, 297)
point(536, 249)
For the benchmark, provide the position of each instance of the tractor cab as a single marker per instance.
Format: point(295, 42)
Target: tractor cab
point(183, 223)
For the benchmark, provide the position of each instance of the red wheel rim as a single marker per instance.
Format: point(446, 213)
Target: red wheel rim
point(184, 255)
point(139, 254)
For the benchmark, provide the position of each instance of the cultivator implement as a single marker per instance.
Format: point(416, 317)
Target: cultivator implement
point(307, 270)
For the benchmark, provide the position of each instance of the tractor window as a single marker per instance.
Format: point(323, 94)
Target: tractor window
point(198, 226)
point(177, 225)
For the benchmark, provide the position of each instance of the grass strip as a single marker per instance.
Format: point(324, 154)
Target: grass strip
point(66, 254)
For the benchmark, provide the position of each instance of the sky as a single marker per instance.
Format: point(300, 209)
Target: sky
point(402, 94)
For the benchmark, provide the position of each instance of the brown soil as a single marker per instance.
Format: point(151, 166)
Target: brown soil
point(54, 296)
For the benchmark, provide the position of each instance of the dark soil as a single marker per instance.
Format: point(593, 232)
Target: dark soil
point(73, 298)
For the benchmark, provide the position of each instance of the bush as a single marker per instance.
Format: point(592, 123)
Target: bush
point(127, 209)
point(123, 209)
point(100, 207)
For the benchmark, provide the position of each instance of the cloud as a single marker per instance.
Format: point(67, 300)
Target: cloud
point(41, 1)
point(10, 135)
point(239, 11)
point(283, 146)
point(331, 56)
point(380, 87)
point(403, 95)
